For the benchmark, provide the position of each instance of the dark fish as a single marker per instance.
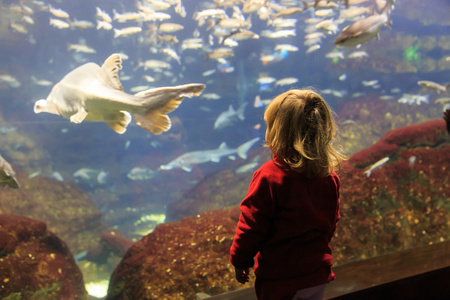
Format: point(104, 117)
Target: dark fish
point(447, 119)
point(7, 174)
point(364, 30)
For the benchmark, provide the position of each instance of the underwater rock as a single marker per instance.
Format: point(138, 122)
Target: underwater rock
point(35, 263)
point(112, 242)
point(428, 134)
point(402, 204)
point(364, 121)
point(179, 260)
point(67, 210)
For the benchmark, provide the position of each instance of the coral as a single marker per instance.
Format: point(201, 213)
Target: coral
point(67, 210)
point(35, 263)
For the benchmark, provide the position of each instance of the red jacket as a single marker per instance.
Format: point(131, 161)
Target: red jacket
point(287, 222)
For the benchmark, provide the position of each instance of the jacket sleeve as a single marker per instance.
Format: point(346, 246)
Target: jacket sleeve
point(254, 224)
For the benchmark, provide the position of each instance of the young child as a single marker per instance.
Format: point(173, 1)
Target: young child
point(291, 209)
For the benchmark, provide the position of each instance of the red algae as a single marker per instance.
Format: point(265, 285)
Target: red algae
point(67, 210)
point(35, 263)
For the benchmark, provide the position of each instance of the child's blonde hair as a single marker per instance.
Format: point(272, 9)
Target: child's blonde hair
point(300, 130)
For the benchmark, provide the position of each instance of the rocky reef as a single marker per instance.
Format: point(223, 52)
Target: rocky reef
point(67, 210)
point(35, 263)
point(402, 204)
point(180, 259)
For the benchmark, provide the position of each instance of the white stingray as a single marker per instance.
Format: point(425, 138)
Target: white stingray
point(94, 93)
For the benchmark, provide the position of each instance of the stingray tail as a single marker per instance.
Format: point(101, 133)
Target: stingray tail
point(157, 103)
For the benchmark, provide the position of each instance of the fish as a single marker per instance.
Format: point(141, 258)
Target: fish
point(286, 81)
point(363, 30)
point(328, 26)
point(18, 27)
point(229, 116)
point(312, 48)
point(335, 55)
point(241, 35)
point(90, 176)
point(94, 93)
point(286, 47)
point(154, 64)
point(282, 22)
point(80, 48)
point(219, 53)
point(83, 24)
point(10, 80)
point(159, 4)
point(324, 12)
point(207, 13)
point(369, 82)
point(103, 15)
point(358, 54)
point(103, 25)
point(354, 12)
point(434, 86)
point(6, 130)
point(156, 16)
point(187, 160)
point(233, 23)
point(279, 33)
point(57, 12)
point(413, 99)
point(266, 80)
point(287, 12)
point(173, 54)
point(444, 101)
point(57, 176)
point(210, 96)
point(376, 165)
point(170, 27)
point(59, 23)
point(126, 31)
point(248, 167)
point(138, 173)
point(126, 16)
point(411, 160)
point(7, 175)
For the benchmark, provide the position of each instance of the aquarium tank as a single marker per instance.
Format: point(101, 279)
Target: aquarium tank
point(130, 130)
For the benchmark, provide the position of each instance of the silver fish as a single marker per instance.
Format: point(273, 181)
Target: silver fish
point(94, 93)
point(228, 117)
point(434, 86)
point(185, 161)
point(138, 173)
point(376, 165)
